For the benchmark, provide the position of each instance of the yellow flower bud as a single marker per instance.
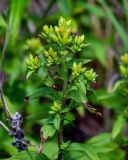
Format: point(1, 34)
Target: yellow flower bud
point(56, 107)
point(77, 69)
point(124, 58)
point(33, 63)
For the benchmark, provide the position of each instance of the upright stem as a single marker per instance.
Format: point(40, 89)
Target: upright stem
point(60, 132)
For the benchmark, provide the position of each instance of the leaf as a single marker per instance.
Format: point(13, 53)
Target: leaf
point(100, 140)
point(2, 22)
point(119, 27)
point(85, 150)
point(94, 9)
point(28, 155)
point(46, 92)
point(50, 148)
point(125, 5)
point(69, 118)
point(109, 100)
point(65, 7)
point(75, 156)
point(48, 131)
point(17, 9)
point(29, 74)
point(100, 53)
point(78, 60)
point(118, 84)
point(118, 126)
point(37, 116)
point(82, 87)
point(42, 73)
point(56, 122)
point(102, 143)
point(77, 96)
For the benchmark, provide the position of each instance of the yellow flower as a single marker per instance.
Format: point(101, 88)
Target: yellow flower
point(33, 63)
point(77, 69)
point(56, 107)
point(51, 56)
point(33, 43)
point(124, 58)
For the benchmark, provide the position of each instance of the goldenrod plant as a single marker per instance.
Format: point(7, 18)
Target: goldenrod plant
point(64, 76)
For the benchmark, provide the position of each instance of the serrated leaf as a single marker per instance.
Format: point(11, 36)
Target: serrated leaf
point(85, 150)
point(27, 155)
point(48, 131)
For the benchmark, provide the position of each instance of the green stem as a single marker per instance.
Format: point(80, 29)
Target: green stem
point(60, 132)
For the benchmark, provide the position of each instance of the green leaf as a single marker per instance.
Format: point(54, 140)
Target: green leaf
point(42, 73)
point(17, 9)
point(56, 122)
point(50, 148)
point(77, 96)
point(69, 118)
point(65, 7)
point(78, 60)
point(100, 53)
point(85, 150)
point(102, 143)
point(94, 9)
point(118, 85)
point(82, 87)
point(28, 155)
point(110, 100)
point(46, 92)
point(119, 27)
point(2, 22)
point(118, 126)
point(100, 140)
point(48, 131)
point(29, 74)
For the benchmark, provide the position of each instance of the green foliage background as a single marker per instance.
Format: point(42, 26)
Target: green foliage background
point(104, 24)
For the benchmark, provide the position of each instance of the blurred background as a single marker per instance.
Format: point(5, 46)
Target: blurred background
point(105, 25)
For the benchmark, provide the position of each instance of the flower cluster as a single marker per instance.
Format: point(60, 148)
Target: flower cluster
point(33, 43)
point(33, 63)
point(79, 72)
point(78, 43)
point(124, 65)
point(60, 34)
point(51, 56)
point(77, 69)
point(56, 107)
point(62, 45)
point(16, 131)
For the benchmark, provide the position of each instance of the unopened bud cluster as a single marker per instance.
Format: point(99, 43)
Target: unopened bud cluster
point(51, 56)
point(79, 72)
point(62, 44)
point(124, 65)
point(33, 44)
point(55, 108)
point(33, 62)
point(60, 34)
